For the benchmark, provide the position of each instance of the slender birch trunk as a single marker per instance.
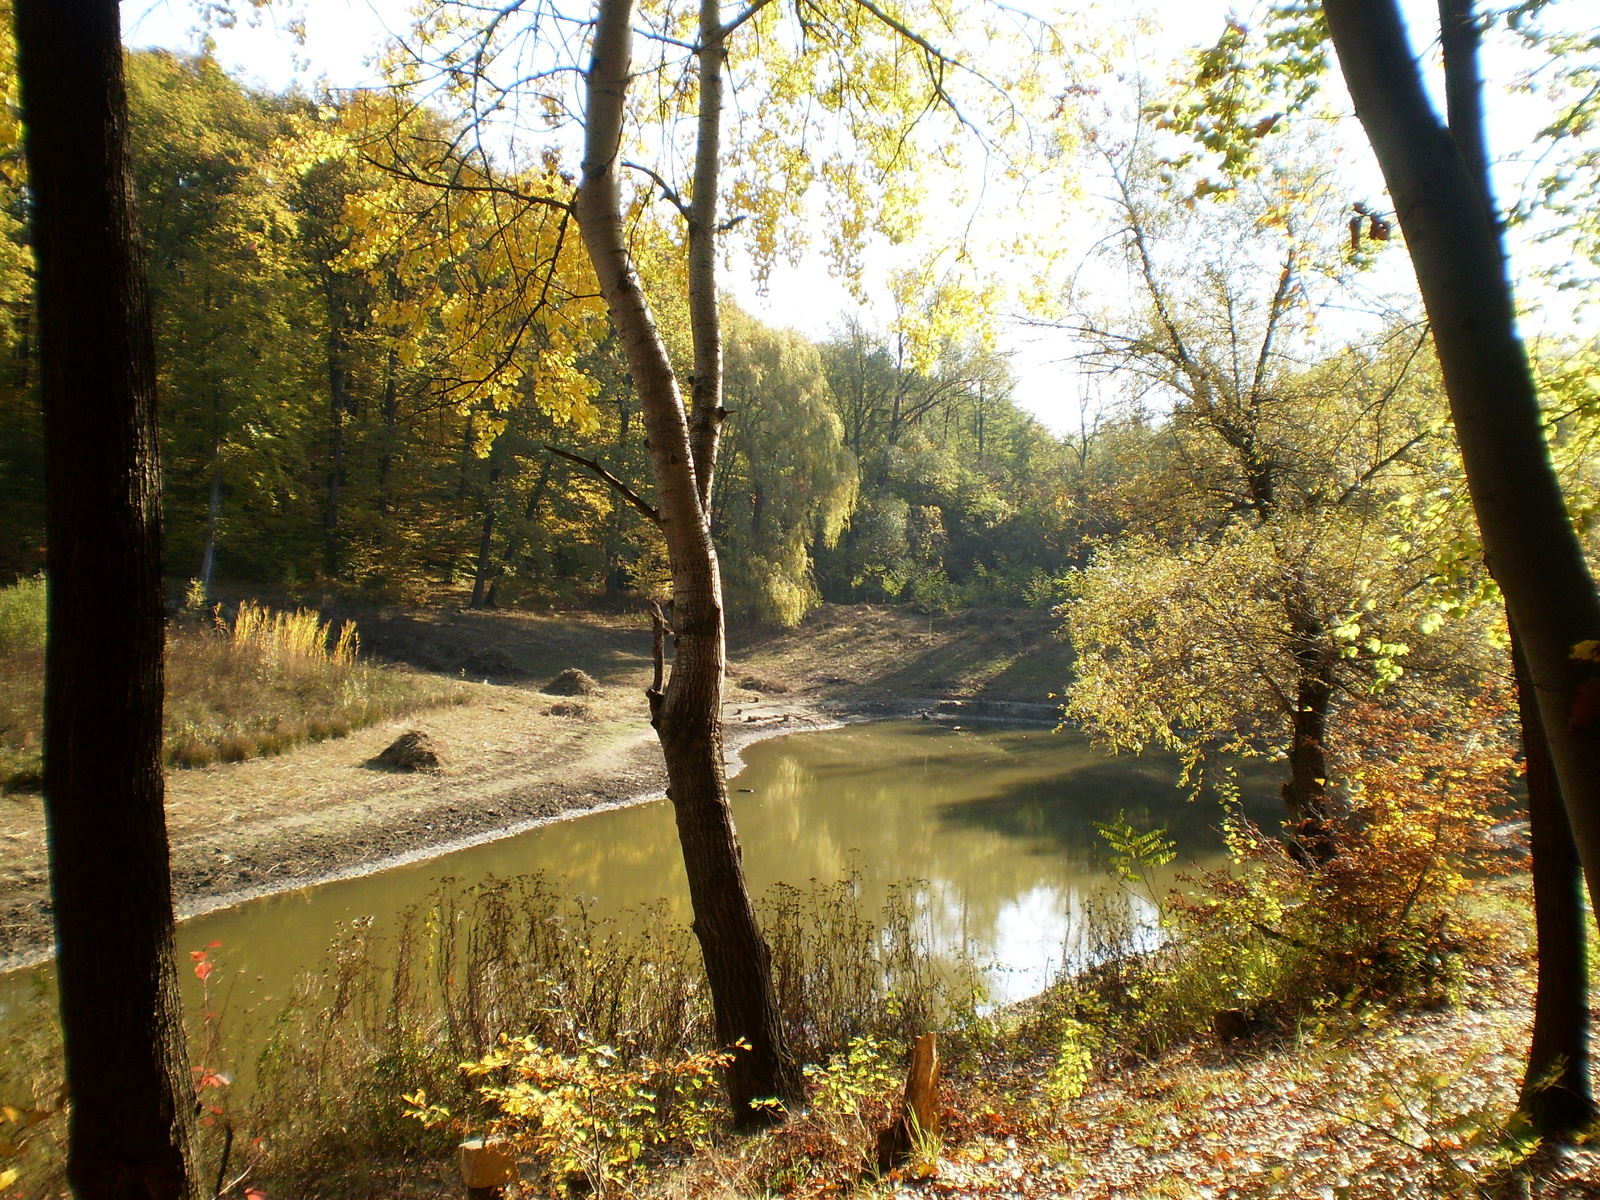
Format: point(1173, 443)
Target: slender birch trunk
point(687, 712)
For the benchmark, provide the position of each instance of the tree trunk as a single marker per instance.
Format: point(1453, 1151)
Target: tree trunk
point(208, 557)
point(1556, 1094)
point(338, 407)
point(519, 532)
point(131, 1121)
point(480, 576)
point(687, 714)
point(391, 413)
point(1307, 796)
point(1528, 539)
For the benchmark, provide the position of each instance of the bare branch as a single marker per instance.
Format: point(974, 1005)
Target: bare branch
point(605, 476)
point(668, 192)
point(739, 20)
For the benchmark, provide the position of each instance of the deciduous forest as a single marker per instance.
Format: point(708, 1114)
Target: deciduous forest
point(499, 691)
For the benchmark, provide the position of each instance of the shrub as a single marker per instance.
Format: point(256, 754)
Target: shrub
point(591, 1114)
point(1268, 941)
point(22, 616)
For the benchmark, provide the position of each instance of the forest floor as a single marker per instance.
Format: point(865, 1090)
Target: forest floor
point(515, 756)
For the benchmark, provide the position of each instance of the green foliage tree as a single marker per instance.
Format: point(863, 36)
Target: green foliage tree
point(788, 483)
point(230, 293)
point(961, 491)
point(1281, 563)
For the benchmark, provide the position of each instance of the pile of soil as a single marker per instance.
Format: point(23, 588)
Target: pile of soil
point(572, 682)
point(413, 750)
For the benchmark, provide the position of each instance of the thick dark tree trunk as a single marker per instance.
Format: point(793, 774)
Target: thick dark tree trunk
point(1556, 1094)
point(1528, 539)
point(126, 1065)
point(1307, 796)
point(687, 712)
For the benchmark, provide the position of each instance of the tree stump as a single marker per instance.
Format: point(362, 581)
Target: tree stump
point(918, 1120)
point(486, 1168)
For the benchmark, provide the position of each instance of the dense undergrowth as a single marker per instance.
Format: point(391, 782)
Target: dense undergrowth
point(258, 683)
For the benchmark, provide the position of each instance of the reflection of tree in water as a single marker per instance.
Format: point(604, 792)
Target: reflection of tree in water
point(996, 824)
point(1057, 815)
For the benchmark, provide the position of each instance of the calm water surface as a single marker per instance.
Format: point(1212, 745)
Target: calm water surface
point(996, 822)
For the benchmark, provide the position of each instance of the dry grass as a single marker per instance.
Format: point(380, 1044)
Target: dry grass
point(259, 684)
point(387, 1017)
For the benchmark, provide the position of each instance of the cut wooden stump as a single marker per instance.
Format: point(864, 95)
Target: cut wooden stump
point(918, 1121)
point(413, 750)
point(486, 1168)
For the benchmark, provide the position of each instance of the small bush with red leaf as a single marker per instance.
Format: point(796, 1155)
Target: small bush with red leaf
point(1267, 940)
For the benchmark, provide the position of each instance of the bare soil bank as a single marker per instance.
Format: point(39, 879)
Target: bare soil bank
point(515, 756)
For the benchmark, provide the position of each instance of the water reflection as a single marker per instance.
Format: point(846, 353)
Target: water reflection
point(996, 823)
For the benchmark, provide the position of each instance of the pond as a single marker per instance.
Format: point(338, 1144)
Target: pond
point(995, 823)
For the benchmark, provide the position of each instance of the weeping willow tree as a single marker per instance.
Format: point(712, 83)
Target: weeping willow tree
point(788, 483)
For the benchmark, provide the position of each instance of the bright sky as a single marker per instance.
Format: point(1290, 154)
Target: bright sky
point(342, 37)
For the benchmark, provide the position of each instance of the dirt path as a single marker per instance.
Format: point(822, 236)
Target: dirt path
point(516, 756)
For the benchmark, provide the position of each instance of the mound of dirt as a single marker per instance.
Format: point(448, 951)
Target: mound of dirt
point(572, 682)
point(413, 750)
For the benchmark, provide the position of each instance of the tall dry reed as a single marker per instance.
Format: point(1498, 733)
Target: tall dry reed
point(389, 1015)
point(259, 684)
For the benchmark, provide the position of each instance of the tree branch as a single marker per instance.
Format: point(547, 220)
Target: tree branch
point(605, 476)
point(668, 192)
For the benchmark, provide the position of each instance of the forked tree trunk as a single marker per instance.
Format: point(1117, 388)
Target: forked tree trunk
point(126, 1065)
point(1528, 539)
point(687, 712)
